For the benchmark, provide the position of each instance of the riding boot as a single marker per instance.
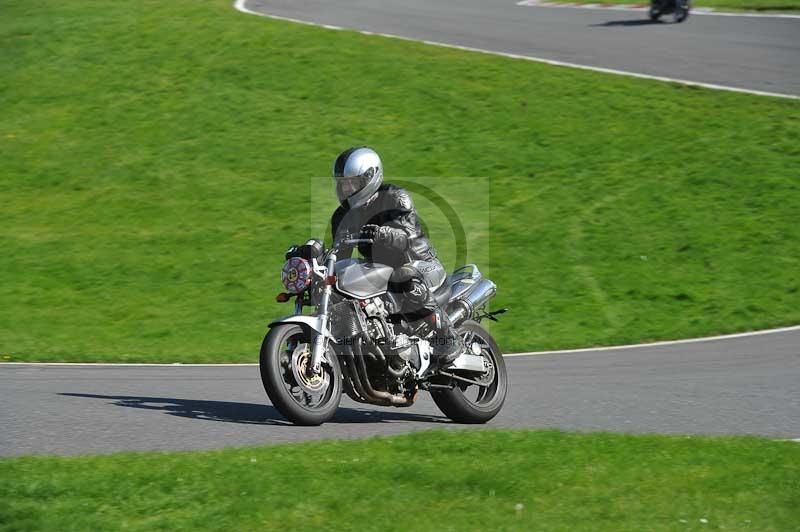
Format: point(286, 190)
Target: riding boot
point(446, 342)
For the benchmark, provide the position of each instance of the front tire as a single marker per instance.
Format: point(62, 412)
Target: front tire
point(302, 399)
point(655, 10)
point(457, 403)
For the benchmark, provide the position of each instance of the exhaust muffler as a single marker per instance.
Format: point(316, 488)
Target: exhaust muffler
point(463, 307)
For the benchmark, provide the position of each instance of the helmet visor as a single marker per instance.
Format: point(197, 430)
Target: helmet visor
point(347, 186)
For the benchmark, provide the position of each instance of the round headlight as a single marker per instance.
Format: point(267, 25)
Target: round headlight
point(296, 275)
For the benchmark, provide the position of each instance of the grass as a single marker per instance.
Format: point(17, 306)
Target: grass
point(735, 5)
point(156, 158)
point(487, 480)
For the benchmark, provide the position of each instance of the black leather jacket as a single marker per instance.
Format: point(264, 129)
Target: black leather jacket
point(400, 239)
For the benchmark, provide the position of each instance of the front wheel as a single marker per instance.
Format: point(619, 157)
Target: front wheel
point(305, 399)
point(655, 11)
point(473, 403)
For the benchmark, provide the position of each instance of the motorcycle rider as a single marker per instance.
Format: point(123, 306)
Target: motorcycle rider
point(385, 213)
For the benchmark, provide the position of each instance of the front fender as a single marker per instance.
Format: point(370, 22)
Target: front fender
point(307, 322)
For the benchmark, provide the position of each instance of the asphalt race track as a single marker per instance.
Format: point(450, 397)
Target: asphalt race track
point(754, 53)
point(735, 386)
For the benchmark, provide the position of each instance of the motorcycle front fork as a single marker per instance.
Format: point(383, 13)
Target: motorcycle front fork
point(320, 338)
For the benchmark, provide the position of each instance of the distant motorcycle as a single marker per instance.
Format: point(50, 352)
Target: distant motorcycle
point(357, 341)
point(678, 8)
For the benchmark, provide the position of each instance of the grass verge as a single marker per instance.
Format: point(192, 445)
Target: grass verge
point(490, 480)
point(155, 156)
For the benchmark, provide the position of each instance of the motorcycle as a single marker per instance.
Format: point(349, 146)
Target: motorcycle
point(357, 342)
point(678, 8)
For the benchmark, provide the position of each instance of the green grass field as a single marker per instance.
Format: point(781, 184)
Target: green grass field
point(156, 158)
point(476, 480)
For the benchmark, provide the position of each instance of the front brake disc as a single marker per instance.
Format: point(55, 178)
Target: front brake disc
point(314, 384)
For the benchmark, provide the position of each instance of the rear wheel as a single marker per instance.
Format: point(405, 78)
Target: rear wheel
point(305, 399)
point(681, 10)
point(476, 403)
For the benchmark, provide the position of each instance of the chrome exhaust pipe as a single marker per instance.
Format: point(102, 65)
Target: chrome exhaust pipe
point(376, 397)
point(463, 307)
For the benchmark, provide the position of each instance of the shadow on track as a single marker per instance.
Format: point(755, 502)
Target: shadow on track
point(248, 413)
point(628, 22)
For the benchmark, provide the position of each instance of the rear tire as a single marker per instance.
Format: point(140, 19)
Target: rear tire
point(462, 409)
point(282, 386)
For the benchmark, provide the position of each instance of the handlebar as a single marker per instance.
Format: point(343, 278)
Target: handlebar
point(356, 241)
point(347, 241)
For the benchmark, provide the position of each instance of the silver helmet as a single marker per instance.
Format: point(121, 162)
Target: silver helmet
point(358, 173)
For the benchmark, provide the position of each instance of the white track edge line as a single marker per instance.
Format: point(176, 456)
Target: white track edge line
point(660, 344)
point(240, 5)
point(507, 355)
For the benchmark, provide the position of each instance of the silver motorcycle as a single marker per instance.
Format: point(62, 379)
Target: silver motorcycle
point(357, 341)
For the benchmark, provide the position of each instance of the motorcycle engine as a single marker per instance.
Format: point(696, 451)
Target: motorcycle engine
point(374, 308)
point(400, 349)
point(377, 326)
